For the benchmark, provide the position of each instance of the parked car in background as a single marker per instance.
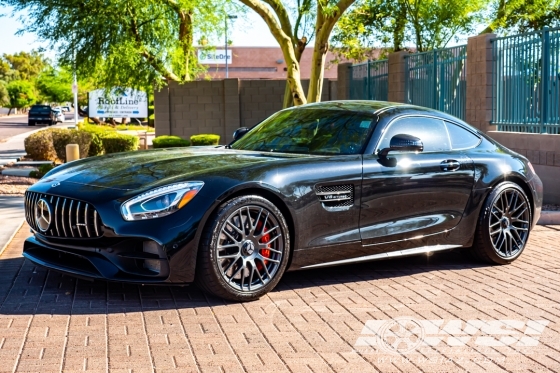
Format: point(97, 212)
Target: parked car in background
point(66, 109)
point(316, 185)
point(59, 114)
point(41, 114)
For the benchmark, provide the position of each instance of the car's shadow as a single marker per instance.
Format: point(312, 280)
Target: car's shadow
point(30, 289)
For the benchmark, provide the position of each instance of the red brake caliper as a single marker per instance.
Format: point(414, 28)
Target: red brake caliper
point(264, 252)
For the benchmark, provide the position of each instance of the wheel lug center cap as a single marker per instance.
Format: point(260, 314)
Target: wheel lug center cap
point(505, 222)
point(248, 248)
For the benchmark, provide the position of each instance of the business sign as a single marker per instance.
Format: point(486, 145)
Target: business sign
point(118, 103)
point(216, 57)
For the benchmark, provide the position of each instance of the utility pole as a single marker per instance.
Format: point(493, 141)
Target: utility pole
point(75, 91)
point(75, 87)
point(226, 18)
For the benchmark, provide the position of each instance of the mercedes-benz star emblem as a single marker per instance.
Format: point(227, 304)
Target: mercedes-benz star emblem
point(43, 215)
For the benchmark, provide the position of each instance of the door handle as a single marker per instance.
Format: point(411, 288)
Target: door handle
point(450, 165)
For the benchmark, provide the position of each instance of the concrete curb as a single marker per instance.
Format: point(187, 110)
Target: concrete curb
point(12, 236)
point(549, 218)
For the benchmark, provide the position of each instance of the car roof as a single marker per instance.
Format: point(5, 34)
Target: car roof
point(384, 108)
point(353, 105)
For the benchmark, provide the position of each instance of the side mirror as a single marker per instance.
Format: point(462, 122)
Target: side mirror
point(239, 133)
point(403, 143)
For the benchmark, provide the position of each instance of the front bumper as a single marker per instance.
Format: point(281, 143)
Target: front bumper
point(128, 260)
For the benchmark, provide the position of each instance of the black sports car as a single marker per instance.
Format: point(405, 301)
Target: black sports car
point(316, 185)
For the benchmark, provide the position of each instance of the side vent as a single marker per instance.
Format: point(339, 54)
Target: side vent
point(336, 197)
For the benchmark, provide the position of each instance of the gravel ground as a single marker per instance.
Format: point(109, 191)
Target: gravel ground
point(14, 185)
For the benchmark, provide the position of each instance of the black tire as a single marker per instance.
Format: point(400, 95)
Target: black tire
point(249, 250)
point(504, 222)
point(31, 123)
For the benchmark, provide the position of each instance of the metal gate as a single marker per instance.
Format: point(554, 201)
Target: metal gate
point(369, 80)
point(437, 79)
point(526, 89)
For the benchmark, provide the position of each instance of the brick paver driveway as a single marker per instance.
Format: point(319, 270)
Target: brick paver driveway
point(436, 314)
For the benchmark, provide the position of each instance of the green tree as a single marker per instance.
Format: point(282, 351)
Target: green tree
point(55, 85)
point(125, 42)
point(21, 94)
point(523, 15)
point(7, 74)
point(435, 23)
point(392, 24)
point(276, 15)
point(27, 65)
point(370, 25)
point(4, 97)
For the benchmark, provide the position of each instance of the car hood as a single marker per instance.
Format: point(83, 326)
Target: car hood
point(144, 169)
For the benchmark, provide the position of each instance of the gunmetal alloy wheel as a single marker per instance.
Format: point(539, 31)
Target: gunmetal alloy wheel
point(504, 225)
point(509, 223)
point(245, 249)
point(250, 248)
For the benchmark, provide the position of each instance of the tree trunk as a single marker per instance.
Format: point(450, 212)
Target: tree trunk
point(294, 82)
point(317, 69)
point(288, 100)
point(186, 38)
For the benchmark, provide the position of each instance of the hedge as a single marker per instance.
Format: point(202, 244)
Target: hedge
point(62, 138)
point(39, 146)
point(169, 142)
point(205, 139)
point(97, 132)
point(116, 143)
point(43, 169)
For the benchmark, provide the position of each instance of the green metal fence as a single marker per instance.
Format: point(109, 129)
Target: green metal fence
point(369, 80)
point(526, 89)
point(437, 79)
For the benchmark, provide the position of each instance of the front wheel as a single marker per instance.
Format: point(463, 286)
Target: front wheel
point(244, 249)
point(503, 226)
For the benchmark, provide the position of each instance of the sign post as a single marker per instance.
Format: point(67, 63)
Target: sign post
point(75, 92)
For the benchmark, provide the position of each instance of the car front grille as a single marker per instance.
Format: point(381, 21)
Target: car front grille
point(67, 218)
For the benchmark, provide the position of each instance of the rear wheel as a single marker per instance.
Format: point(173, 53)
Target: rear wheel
point(244, 249)
point(503, 225)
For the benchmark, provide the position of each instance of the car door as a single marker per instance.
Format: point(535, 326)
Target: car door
point(409, 195)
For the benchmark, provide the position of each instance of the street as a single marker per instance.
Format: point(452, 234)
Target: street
point(17, 124)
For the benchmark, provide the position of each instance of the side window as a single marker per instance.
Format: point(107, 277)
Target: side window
point(461, 138)
point(431, 131)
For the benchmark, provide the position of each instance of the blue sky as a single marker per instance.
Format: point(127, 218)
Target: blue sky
point(250, 31)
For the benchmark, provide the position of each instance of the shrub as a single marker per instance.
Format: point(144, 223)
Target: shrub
point(96, 145)
point(116, 143)
point(151, 120)
point(169, 142)
point(205, 139)
point(43, 169)
point(62, 138)
point(97, 132)
point(39, 146)
point(133, 127)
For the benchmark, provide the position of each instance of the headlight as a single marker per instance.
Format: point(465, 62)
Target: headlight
point(160, 202)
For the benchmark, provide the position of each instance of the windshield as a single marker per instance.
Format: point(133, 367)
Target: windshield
point(40, 109)
point(310, 131)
